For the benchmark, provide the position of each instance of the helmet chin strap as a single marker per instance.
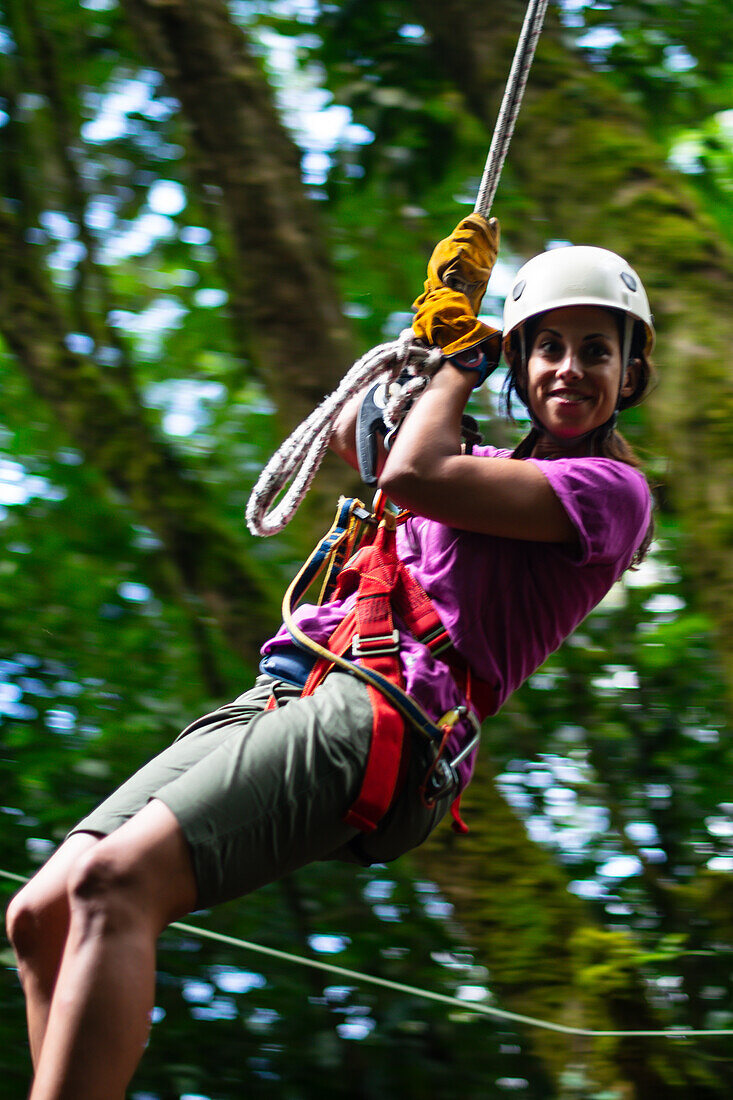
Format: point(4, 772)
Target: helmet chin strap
point(626, 346)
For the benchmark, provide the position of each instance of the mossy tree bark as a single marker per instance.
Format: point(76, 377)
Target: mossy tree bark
point(284, 295)
point(290, 308)
point(547, 959)
point(285, 308)
point(119, 443)
point(586, 167)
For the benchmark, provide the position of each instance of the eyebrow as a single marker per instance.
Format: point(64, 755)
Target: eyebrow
point(588, 336)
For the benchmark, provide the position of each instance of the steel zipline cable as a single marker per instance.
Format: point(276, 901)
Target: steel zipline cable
point(296, 462)
point(421, 993)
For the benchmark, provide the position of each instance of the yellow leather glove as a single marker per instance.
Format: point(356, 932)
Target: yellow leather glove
point(458, 272)
point(444, 320)
point(464, 260)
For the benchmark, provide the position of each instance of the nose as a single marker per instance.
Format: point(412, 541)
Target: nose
point(570, 365)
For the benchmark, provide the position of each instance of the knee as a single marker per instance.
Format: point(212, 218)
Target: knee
point(105, 890)
point(20, 923)
point(28, 922)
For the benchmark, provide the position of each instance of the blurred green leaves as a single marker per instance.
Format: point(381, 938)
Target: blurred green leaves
point(615, 756)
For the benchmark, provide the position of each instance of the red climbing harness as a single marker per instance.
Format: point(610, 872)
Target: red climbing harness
point(366, 643)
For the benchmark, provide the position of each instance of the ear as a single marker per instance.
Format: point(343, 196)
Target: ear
point(631, 378)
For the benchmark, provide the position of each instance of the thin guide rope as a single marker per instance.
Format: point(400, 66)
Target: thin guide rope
point(415, 991)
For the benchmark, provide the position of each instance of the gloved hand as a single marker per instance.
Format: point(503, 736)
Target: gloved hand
point(445, 320)
point(446, 316)
point(464, 260)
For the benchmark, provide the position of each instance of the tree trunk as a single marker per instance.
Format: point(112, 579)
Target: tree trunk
point(588, 170)
point(283, 290)
point(121, 446)
point(547, 958)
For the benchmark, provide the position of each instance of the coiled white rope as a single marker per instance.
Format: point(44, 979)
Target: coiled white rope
point(302, 452)
point(297, 460)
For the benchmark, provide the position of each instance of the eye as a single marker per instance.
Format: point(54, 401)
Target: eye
point(548, 346)
point(597, 349)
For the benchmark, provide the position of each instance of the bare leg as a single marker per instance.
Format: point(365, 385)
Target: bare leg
point(122, 894)
point(37, 922)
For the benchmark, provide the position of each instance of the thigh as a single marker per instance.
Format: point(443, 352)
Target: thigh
point(198, 739)
point(409, 821)
point(147, 864)
point(272, 798)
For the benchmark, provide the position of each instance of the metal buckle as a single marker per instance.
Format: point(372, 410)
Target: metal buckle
point(444, 780)
point(363, 514)
point(445, 774)
point(391, 645)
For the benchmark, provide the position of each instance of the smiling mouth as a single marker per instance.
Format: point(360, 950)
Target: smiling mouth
point(569, 395)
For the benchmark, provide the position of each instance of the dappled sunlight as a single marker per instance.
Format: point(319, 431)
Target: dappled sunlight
point(146, 377)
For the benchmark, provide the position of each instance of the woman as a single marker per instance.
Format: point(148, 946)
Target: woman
point(513, 550)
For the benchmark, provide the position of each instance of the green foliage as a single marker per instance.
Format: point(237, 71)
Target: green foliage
point(607, 962)
point(674, 59)
point(615, 757)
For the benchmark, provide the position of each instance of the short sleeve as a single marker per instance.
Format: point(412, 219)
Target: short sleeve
point(485, 450)
point(608, 503)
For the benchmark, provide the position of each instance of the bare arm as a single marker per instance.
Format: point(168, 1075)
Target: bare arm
point(426, 472)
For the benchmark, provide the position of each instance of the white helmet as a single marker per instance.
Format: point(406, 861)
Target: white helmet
point(577, 275)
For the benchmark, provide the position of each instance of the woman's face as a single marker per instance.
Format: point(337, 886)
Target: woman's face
point(574, 370)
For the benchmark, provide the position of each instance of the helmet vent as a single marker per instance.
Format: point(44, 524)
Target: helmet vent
point(519, 289)
point(629, 280)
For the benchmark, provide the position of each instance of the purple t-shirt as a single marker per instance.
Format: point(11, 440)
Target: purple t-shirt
point(508, 603)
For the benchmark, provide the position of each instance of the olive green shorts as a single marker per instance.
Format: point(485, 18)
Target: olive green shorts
point(260, 793)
